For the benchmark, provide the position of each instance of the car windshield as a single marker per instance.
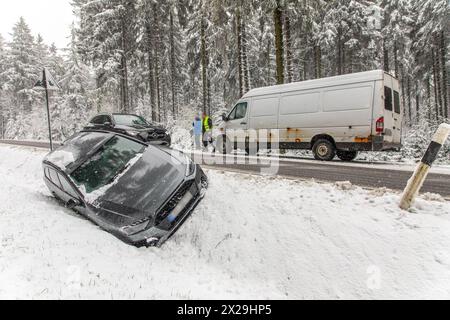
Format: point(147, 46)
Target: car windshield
point(129, 120)
point(106, 164)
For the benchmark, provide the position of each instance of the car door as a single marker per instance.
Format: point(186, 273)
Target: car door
point(62, 187)
point(237, 124)
point(54, 184)
point(68, 191)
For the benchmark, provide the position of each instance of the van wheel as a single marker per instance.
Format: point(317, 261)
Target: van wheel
point(347, 155)
point(324, 150)
point(223, 145)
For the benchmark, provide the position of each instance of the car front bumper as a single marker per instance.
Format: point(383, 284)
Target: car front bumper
point(155, 236)
point(165, 140)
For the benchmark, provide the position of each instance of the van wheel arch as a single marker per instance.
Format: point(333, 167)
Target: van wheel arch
point(322, 137)
point(323, 148)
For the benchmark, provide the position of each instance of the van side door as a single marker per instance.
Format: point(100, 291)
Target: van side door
point(237, 124)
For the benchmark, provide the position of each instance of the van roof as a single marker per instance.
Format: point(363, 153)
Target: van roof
point(318, 83)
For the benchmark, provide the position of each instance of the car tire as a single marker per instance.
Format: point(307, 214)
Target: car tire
point(223, 145)
point(324, 150)
point(347, 156)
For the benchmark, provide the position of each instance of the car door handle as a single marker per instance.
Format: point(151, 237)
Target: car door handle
point(243, 123)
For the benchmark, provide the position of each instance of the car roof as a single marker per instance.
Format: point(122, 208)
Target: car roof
point(77, 149)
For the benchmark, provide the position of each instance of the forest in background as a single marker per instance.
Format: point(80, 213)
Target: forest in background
point(167, 60)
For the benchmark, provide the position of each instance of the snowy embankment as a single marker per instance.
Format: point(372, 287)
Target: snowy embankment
point(252, 237)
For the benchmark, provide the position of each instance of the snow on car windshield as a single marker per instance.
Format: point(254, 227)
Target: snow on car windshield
point(103, 169)
point(75, 148)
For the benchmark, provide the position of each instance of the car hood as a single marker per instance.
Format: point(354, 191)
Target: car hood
point(144, 188)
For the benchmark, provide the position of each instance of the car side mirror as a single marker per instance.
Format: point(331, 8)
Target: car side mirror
point(108, 124)
point(73, 203)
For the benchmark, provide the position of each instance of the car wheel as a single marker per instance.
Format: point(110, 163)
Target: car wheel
point(223, 145)
point(347, 155)
point(324, 150)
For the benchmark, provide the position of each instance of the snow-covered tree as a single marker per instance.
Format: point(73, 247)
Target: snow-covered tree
point(168, 60)
point(22, 70)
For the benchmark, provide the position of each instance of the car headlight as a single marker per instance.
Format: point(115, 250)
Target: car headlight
point(137, 227)
point(190, 167)
point(134, 133)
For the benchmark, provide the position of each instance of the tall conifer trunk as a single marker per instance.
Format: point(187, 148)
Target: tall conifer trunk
point(279, 42)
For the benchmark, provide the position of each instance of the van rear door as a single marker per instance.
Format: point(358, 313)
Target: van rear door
point(398, 112)
point(392, 111)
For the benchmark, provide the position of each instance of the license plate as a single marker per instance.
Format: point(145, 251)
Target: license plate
point(180, 207)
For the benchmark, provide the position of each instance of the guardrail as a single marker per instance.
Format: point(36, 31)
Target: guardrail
point(35, 144)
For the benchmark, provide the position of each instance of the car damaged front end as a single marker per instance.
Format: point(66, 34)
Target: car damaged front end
point(139, 193)
point(154, 231)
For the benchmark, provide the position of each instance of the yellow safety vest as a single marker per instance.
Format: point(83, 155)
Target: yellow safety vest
point(206, 124)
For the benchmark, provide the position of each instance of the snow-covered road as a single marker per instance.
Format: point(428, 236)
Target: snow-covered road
point(251, 238)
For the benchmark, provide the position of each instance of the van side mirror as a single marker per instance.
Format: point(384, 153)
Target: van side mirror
point(73, 203)
point(224, 118)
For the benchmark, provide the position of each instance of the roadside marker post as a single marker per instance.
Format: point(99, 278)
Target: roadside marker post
point(47, 83)
point(421, 173)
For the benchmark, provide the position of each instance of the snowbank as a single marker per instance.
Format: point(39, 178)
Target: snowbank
point(251, 237)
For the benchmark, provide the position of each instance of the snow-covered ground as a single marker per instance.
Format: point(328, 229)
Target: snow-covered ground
point(252, 237)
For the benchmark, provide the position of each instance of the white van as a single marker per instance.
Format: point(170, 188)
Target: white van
point(331, 116)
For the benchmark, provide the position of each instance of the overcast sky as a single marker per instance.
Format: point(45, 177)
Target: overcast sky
point(50, 18)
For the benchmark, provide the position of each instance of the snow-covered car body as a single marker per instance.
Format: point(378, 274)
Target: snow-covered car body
point(132, 125)
point(140, 193)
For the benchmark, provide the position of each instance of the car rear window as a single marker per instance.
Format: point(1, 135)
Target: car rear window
point(388, 98)
point(397, 107)
point(101, 119)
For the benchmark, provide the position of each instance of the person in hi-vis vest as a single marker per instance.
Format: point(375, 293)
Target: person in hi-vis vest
point(207, 130)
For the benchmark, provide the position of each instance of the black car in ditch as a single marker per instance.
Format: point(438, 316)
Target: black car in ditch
point(140, 193)
point(132, 125)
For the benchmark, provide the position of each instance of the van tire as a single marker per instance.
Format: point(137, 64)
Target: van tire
point(324, 150)
point(223, 145)
point(347, 156)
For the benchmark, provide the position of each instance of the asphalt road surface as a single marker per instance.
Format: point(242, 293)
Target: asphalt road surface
point(357, 173)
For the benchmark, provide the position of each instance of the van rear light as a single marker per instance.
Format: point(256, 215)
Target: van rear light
point(380, 125)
